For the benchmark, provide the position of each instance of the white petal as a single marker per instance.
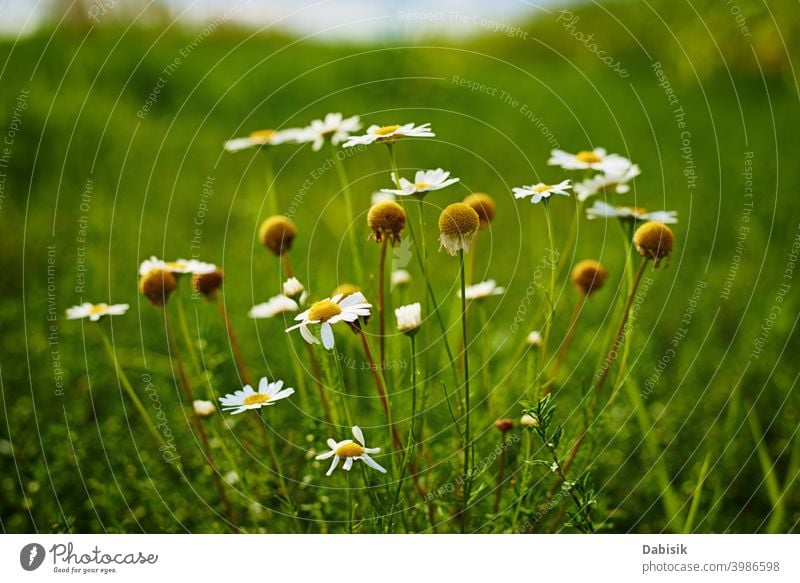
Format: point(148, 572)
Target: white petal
point(326, 455)
point(372, 463)
point(359, 435)
point(334, 463)
point(348, 463)
point(327, 336)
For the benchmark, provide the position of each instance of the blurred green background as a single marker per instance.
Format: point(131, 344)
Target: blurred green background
point(76, 107)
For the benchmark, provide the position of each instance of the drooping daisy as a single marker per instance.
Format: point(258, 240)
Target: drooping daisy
point(409, 318)
point(597, 159)
point(376, 133)
point(350, 451)
point(203, 408)
point(540, 191)
point(424, 181)
point(95, 311)
point(274, 306)
point(616, 180)
point(329, 312)
point(246, 398)
point(483, 290)
point(179, 266)
point(334, 127)
point(603, 210)
point(263, 138)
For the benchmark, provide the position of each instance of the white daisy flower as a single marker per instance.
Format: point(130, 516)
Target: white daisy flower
point(350, 451)
point(540, 191)
point(534, 338)
point(424, 181)
point(381, 196)
point(603, 210)
point(409, 318)
point(292, 288)
point(180, 266)
point(482, 290)
point(275, 306)
point(376, 133)
point(203, 408)
point(597, 159)
point(95, 311)
point(265, 138)
point(400, 277)
point(616, 180)
point(247, 398)
point(329, 312)
point(334, 126)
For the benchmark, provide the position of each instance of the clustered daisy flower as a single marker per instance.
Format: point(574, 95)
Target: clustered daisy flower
point(606, 211)
point(540, 191)
point(334, 127)
point(596, 159)
point(424, 181)
point(390, 133)
point(247, 398)
point(615, 179)
point(95, 311)
point(351, 451)
point(179, 266)
point(328, 312)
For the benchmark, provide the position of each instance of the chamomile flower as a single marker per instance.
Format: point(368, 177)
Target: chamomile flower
point(400, 277)
point(615, 179)
point(424, 181)
point(483, 290)
point(458, 224)
point(603, 210)
point(292, 288)
point(409, 318)
point(334, 127)
point(350, 451)
point(597, 159)
point(540, 191)
point(247, 398)
point(376, 133)
point(262, 138)
point(329, 312)
point(274, 306)
point(203, 408)
point(95, 311)
point(178, 267)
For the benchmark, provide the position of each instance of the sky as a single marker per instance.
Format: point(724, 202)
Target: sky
point(327, 19)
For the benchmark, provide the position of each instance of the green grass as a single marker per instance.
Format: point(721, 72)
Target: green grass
point(721, 441)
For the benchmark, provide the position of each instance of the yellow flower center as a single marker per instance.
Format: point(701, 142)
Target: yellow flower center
point(587, 157)
point(323, 311)
point(173, 265)
point(349, 450)
point(256, 399)
point(542, 188)
point(637, 211)
point(261, 136)
point(386, 130)
point(421, 185)
point(98, 309)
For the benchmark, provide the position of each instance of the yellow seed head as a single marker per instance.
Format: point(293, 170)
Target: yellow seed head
point(157, 285)
point(207, 283)
point(386, 219)
point(277, 234)
point(484, 205)
point(458, 224)
point(323, 310)
point(345, 289)
point(349, 450)
point(654, 241)
point(589, 276)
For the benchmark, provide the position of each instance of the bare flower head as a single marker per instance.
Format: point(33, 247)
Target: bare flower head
point(589, 276)
point(529, 421)
point(207, 283)
point(386, 219)
point(458, 224)
point(484, 205)
point(504, 425)
point(157, 285)
point(277, 234)
point(654, 241)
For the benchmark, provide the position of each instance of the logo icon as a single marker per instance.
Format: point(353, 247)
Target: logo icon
point(31, 556)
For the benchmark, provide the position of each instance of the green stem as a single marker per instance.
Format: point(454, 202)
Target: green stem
point(342, 388)
point(467, 439)
point(272, 192)
point(183, 322)
point(348, 202)
point(552, 290)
